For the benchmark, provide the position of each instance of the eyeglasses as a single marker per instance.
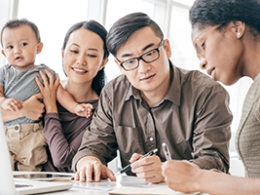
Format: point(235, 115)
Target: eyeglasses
point(147, 57)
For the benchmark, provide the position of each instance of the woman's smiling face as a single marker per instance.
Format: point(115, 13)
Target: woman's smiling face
point(83, 55)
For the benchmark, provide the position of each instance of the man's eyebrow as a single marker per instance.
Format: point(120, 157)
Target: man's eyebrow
point(145, 48)
point(148, 46)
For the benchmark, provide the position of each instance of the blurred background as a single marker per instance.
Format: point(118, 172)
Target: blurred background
point(54, 17)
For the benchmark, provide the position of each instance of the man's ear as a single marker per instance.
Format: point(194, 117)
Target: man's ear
point(3, 52)
point(39, 47)
point(167, 47)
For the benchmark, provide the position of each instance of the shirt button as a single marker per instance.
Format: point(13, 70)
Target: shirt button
point(16, 128)
point(151, 139)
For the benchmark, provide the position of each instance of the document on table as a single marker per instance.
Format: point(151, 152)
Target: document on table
point(109, 185)
point(128, 185)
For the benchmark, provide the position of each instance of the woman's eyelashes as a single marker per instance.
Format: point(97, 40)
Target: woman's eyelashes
point(92, 55)
point(74, 51)
point(202, 45)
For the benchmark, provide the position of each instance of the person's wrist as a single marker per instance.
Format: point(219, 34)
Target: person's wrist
point(51, 108)
point(201, 181)
point(74, 107)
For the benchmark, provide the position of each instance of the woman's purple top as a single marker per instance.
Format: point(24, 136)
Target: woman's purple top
point(63, 133)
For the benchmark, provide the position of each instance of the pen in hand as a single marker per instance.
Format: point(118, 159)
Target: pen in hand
point(128, 167)
point(166, 151)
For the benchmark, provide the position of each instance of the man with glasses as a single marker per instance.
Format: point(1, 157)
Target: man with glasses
point(151, 103)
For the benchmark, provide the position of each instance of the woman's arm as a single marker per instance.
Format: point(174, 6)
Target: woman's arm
point(181, 176)
point(32, 108)
point(61, 150)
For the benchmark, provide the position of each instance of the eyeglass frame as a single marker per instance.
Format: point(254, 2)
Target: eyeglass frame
point(141, 57)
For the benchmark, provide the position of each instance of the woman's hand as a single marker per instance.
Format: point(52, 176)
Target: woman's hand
point(48, 90)
point(181, 176)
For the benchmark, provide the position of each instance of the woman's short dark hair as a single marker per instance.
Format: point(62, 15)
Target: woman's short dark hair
point(126, 26)
point(99, 81)
point(221, 12)
point(20, 22)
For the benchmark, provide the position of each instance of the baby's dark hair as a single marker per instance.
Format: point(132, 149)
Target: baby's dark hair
point(220, 12)
point(19, 22)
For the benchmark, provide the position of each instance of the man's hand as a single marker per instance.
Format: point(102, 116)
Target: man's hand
point(33, 108)
point(91, 169)
point(181, 175)
point(148, 168)
point(11, 104)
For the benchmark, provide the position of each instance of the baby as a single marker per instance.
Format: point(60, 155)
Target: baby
point(20, 40)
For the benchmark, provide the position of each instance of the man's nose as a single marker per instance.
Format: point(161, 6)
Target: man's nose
point(143, 66)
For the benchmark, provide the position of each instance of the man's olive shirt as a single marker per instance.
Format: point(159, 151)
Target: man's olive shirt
point(193, 119)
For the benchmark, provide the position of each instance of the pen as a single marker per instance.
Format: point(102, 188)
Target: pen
point(127, 167)
point(166, 151)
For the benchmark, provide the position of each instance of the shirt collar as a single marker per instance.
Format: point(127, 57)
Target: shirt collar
point(173, 93)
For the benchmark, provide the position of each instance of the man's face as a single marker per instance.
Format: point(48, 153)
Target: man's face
point(20, 46)
point(148, 77)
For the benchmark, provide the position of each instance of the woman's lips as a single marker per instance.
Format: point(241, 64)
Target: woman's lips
point(79, 70)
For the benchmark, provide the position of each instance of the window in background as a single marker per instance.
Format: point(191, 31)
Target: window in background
point(183, 53)
point(53, 19)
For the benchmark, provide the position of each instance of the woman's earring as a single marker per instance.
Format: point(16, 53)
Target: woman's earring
point(238, 34)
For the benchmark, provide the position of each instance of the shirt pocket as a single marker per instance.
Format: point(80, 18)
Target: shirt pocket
point(184, 150)
point(130, 140)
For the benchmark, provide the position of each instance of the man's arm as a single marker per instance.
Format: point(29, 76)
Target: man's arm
point(182, 176)
point(99, 140)
point(212, 129)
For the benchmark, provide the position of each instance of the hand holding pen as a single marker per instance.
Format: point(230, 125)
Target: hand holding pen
point(147, 168)
point(128, 167)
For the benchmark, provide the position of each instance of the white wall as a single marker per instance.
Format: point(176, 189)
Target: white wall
point(5, 9)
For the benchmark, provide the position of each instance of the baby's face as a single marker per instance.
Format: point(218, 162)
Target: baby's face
point(20, 46)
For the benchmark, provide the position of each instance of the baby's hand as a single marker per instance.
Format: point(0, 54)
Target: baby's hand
point(84, 110)
point(12, 104)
